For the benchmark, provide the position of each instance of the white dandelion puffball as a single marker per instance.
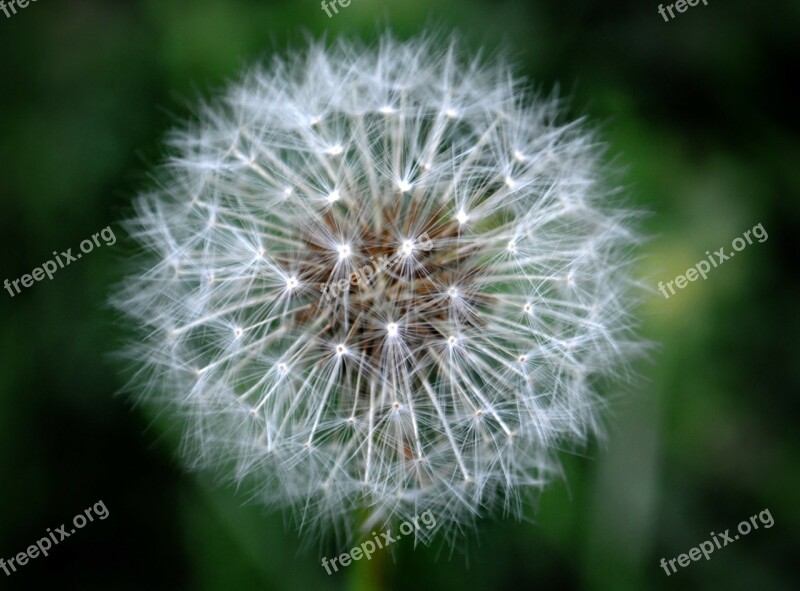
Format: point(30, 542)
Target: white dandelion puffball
point(380, 281)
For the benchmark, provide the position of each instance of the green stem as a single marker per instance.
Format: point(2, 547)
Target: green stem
point(369, 574)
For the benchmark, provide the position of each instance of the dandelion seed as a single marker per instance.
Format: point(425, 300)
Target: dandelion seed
point(409, 391)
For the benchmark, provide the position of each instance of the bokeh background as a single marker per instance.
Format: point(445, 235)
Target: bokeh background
point(702, 114)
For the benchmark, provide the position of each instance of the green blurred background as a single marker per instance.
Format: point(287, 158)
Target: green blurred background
point(700, 111)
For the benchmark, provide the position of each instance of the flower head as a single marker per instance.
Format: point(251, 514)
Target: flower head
point(381, 279)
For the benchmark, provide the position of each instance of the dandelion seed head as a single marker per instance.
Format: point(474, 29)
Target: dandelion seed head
point(379, 353)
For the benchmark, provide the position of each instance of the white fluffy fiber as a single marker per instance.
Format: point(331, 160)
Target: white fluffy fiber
point(447, 380)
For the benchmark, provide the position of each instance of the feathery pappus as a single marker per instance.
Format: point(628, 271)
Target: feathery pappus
point(382, 280)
